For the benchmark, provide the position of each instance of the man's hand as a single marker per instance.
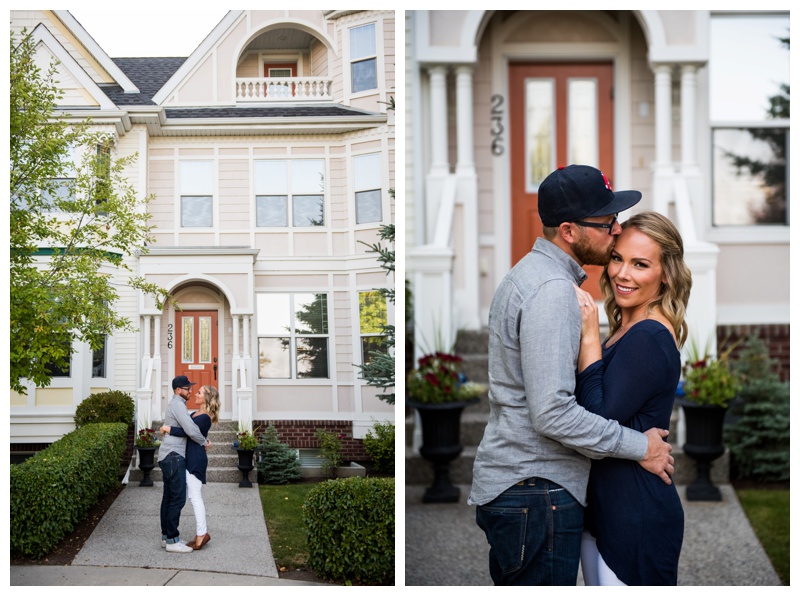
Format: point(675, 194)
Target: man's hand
point(657, 460)
point(208, 445)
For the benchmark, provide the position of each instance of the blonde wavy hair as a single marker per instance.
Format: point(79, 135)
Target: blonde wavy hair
point(674, 294)
point(211, 397)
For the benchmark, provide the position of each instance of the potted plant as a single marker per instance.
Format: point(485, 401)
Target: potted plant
point(439, 393)
point(146, 443)
point(245, 446)
point(707, 389)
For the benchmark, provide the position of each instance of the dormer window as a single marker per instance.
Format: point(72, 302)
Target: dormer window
point(363, 58)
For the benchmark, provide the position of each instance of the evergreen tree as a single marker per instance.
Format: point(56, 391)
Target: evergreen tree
point(277, 462)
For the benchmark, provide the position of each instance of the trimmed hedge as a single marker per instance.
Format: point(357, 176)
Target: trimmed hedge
point(53, 490)
point(350, 525)
point(109, 406)
point(380, 447)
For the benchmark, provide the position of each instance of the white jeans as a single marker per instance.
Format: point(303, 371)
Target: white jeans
point(595, 570)
point(194, 492)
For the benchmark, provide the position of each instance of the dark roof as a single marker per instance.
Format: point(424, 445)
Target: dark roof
point(292, 111)
point(148, 74)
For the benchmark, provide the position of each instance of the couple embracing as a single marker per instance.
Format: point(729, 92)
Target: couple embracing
point(573, 467)
point(183, 461)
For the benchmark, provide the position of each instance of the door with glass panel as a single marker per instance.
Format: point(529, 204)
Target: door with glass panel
point(196, 353)
point(560, 114)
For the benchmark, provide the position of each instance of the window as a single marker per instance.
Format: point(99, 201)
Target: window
point(197, 194)
point(99, 361)
point(749, 113)
point(292, 335)
point(367, 180)
point(363, 58)
point(372, 322)
point(290, 193)
point(62, 188)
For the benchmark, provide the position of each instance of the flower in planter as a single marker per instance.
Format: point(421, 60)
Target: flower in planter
point(245, 439)
point(708, 380)
point(146, 437)
point(437, 379)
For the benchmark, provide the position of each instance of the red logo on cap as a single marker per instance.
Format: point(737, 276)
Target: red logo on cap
point(608, 184)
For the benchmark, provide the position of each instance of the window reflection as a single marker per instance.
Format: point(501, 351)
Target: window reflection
point(539, 131)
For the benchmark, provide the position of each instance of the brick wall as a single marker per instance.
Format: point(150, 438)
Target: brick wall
point(776, 337)
point(301, 434)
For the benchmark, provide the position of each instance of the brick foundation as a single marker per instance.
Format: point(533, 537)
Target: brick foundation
point(301, 434)
point(776, 337)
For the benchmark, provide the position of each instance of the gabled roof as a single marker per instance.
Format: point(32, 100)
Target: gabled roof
point(148, 74)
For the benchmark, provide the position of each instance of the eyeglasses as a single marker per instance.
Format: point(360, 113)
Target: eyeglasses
point(593, 224)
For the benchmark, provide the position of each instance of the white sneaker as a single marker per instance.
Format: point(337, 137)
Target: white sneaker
point(179, 547)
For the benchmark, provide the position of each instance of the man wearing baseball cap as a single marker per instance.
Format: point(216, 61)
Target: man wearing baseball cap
point(532, 466)
point(172, 461)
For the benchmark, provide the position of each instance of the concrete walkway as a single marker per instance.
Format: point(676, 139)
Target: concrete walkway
point(125, 547)
point(444, 547)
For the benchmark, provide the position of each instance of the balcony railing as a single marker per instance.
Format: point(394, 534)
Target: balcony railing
point(283, 89)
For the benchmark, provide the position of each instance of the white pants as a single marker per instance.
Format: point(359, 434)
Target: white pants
point(194, 492)
point(595, 570)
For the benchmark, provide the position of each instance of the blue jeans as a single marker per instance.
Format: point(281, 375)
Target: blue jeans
point(173, 469)
point(534, 531)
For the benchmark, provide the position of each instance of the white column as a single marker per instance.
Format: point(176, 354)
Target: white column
point(157, 336)
point(440, 168)
point(236, 323)
point(146, 323)
point(663, 176)
point(468, 316)
point(688, 117)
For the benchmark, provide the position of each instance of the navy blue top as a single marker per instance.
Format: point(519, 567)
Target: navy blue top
point(636, 518)
point(196, 457)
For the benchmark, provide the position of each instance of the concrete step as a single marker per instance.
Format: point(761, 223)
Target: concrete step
point(223, 458)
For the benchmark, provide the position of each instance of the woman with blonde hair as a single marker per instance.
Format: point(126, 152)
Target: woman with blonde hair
point(207, 402)
point(633, 527)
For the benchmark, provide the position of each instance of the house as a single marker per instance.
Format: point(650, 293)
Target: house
point(671, 103)
point(269, 152)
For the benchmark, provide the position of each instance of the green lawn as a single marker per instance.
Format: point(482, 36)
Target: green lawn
point(283, 512)
point(768, 512)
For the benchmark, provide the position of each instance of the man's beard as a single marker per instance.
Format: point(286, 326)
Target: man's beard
point(588, 254)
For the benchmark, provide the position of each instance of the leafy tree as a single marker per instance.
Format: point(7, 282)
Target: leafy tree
point(74, 219)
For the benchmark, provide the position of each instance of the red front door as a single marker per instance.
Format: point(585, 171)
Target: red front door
point(562, 113)
point(196, 354)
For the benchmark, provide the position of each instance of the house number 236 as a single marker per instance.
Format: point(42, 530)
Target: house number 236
point(170, 328)
point(497, 128)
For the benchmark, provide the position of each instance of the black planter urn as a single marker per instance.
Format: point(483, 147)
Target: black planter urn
point(704, 444)
point(146, 464)
point(245, 466)
point(441, 444)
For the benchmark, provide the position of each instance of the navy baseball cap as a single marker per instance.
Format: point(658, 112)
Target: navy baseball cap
point(181, 381)
point(575, 192)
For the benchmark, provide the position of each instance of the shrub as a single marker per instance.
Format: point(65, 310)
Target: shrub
point(110, 406)
point(277, 462)
point(331, 446)
point(350, 525)
point(759, 437)
point(53, 490)
point(380, 447)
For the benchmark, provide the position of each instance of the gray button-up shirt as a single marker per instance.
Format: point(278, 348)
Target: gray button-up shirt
point(536, 427)
point(178, 415)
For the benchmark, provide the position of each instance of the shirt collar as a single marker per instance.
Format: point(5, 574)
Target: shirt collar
point(547, 248)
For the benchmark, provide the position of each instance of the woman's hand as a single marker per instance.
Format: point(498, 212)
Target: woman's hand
point(590, 330)
point(164, 430)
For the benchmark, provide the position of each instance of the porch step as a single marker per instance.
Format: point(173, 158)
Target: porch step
point(222, 457)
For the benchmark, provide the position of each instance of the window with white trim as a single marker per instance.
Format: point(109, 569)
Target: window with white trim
point(363, 58)
point(293, 335)
point(372, 324)
point(290, 193)
point(367, 182)
point(749, 114)
point(197, 194)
